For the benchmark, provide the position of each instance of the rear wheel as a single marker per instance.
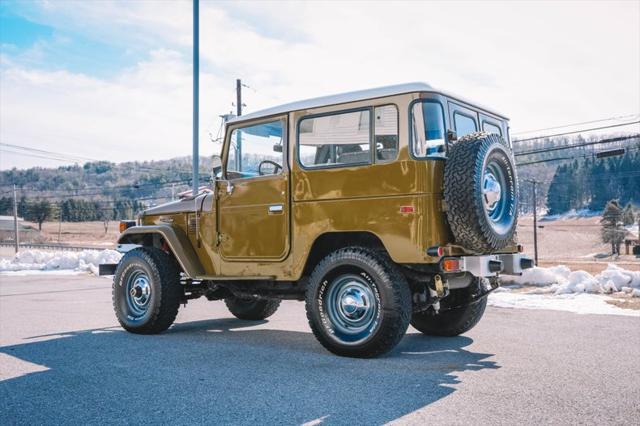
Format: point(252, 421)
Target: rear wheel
point(458, 313)
point(358, 303)
point(252, 309)
point(146, 291)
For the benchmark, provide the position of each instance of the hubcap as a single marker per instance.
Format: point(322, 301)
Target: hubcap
point(492, 191)
point(138, 293)
point(495, 196)
point(351, 308)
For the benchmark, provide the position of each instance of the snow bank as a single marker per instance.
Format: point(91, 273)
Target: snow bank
point(71, 261)
point(571, 214)
point(561, 280)
point(583, 303)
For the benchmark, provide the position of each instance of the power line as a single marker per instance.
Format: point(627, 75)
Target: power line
point(620, 117)
point(580, 145)
point(576, 131)
point(566, 158)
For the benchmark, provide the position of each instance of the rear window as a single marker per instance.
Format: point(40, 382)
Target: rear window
point(337, 139)
point(491, 128)
point(428, 130)
point(464, 124)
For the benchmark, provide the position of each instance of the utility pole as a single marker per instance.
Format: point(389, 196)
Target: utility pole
point(535, 222)
point(196, 75)
point(15, 219)
point(59, 222)
point(238, 113)
point(238, 97)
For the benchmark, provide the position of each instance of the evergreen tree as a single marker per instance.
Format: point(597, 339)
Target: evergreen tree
point(628, 218)
point(612, 231)
point(39, 211)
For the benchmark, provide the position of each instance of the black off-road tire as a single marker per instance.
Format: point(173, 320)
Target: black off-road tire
point(463, 182)
point(452, 322)
point(251, 309)
point(388, 286)
point(163, 275)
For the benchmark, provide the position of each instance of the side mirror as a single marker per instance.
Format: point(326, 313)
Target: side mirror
point(277, 147)
point(216, 169)
point(451, 135)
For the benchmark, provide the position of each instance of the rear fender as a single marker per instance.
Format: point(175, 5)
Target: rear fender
point(178, 243)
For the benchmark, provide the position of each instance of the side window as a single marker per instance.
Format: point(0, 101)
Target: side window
point(491, 128)
point(256, 150)
point(464, 124)
point(386, 132)
point(428, 131)
point(338, 139)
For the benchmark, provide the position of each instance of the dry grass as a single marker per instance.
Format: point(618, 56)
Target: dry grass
point(625, 303)
point(571, 242)
point(78, 233)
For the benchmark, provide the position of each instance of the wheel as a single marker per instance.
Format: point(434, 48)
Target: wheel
point(481, 192)
point(251, 308)
point(358, 303)
point(452, 322)
point(146, 291)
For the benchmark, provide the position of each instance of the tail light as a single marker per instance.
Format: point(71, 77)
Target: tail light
point(450, 264)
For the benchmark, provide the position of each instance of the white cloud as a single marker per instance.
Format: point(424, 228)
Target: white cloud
point(543, 64)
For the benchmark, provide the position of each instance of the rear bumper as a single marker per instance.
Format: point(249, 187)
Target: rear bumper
point(494, 264)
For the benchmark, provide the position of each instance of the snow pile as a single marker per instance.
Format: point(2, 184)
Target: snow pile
point(572, 214)
point(583, 303)
point(77, 261)
point(561, 280)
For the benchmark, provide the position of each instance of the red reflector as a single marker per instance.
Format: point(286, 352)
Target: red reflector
point(450, 265)
point(406, 209)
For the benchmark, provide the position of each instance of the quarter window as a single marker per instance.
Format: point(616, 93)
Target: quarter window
point(464, 124)
point(428, 131)
point(256, 150)
point(338, 139)
point(491, 128)
point(386, 132)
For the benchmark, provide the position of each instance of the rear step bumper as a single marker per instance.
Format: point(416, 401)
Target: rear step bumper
point(492, 265)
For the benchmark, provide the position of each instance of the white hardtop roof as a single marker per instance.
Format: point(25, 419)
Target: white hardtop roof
point(359, 95)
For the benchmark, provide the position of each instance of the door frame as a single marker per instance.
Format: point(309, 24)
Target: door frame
point(223, 183)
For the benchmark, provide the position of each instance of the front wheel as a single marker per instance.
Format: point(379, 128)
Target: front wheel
point(358, 303)
point(146, 291)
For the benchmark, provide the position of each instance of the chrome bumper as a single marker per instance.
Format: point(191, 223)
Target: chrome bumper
point(494, 264)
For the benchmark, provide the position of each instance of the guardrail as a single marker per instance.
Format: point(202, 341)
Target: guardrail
point(56, 246)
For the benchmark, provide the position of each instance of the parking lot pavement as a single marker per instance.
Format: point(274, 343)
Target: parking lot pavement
point(64, 360)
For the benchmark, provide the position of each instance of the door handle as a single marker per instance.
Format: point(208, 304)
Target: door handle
point(276, 208)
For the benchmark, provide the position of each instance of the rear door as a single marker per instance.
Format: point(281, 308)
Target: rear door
point(253, 200)
point(464, 120)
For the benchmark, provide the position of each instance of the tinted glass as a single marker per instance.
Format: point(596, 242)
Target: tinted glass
point(335, 139)
point(464, 124)
point(254, 150)
point(386, 132)
point(491, 128)
point(428, 130)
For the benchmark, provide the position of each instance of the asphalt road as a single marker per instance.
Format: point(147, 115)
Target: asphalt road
point(64, 360)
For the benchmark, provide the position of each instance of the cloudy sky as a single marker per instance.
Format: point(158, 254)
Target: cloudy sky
point(112, 80)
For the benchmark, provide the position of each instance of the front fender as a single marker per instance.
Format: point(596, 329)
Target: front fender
point(178, 242)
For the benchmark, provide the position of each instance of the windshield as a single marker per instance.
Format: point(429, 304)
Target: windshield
point(428, 130)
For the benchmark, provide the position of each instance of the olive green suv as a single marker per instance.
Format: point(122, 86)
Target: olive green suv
point(379, 208)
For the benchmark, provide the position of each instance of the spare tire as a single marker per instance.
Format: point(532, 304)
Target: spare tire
point(481, 192)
